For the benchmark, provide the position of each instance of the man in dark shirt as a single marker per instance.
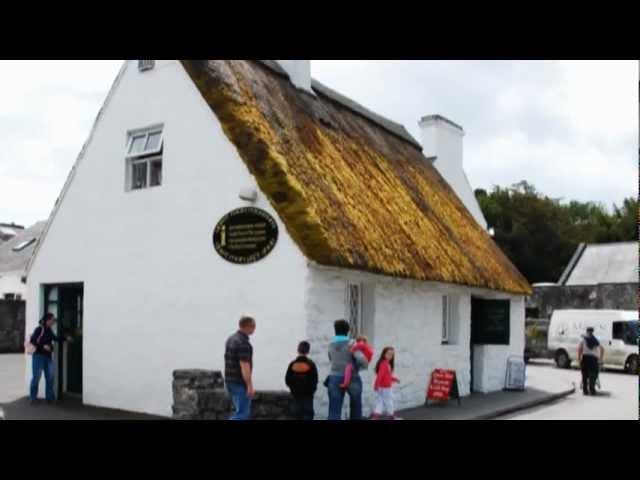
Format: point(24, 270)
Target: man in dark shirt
point(238, 365)
point(302, 380)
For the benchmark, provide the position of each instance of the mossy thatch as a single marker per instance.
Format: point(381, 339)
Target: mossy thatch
point(350, 193)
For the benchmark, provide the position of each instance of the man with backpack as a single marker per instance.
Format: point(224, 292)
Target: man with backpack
point(302, 380)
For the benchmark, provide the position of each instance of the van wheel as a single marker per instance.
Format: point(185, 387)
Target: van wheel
point(562, 359)
point(632, 365)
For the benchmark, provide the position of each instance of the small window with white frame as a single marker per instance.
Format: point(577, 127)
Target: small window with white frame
point(144, 158)
point(353, 305)
point(144, 65)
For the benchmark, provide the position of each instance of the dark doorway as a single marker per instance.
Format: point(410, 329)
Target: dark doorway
point(65, 302)
point(490, 319)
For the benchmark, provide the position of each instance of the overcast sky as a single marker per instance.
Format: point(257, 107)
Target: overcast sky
point(570, 128)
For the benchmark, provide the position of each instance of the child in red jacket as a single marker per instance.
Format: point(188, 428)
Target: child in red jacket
point(361, 345)
point(384, 382)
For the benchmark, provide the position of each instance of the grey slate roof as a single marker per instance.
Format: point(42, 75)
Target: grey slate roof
point(602, 263)
point(11, 260)
point(392, 127)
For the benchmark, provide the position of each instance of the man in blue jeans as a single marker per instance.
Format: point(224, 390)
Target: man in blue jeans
point(340, 356)
point(238, 365)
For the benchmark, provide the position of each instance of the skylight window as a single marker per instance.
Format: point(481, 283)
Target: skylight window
point(23, 245)
point(147, 142)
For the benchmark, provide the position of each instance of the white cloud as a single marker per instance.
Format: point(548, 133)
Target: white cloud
point(568, 127)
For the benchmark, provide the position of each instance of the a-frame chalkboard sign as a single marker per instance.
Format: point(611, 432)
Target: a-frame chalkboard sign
point(443, 386)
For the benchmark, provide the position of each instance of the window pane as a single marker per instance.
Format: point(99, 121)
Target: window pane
point(156, 173)
point(137, 144)
point(153, 141)
point(445, 317)
point(139, 175)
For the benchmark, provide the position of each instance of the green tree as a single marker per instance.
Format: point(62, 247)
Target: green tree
point(539, 234)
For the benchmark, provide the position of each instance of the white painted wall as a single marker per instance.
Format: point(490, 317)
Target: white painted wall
point(157, 295)
point(442, 140)
point(10, 283)
point(407, 315)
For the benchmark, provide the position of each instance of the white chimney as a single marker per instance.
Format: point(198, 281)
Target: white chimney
point(442, 139)
point(299, 72)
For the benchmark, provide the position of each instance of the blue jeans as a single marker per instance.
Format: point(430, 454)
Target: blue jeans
point(336, 397)
point(241, 402)
point(40, 364)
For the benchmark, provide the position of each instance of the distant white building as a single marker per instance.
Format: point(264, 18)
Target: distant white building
point(8, 231)
point(212, 189)
point(15, 253)
point(598, 276)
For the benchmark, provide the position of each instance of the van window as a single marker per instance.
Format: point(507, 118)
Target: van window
point(631, 334)
point(618, 330)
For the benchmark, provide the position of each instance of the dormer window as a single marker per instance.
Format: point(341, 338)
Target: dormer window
point(144, 158)
point(144, 65)
point(22, 245)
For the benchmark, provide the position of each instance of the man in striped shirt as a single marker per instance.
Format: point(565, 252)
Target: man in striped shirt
point(238, 364)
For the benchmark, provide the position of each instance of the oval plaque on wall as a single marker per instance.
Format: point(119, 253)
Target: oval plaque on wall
point(245, 235)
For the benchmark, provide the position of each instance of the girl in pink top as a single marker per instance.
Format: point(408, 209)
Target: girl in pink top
point(384, 382)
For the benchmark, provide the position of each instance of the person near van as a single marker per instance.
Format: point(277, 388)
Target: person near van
point(302, 380)
point(590, 354)
point(42, 359)
point(238, 366)
point(340, 356)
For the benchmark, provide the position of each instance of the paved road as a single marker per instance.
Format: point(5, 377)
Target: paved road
point(12, 383)
point(618, 399)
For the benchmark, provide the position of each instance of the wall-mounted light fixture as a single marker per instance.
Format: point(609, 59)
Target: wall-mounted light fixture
point(248, 194)
point(491, 231)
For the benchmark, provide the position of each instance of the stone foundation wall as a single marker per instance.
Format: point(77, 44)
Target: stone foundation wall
point(200, 395)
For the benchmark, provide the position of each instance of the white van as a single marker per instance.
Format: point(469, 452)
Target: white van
point(617, 331)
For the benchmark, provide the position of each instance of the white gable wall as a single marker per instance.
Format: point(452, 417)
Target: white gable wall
point(157, 297)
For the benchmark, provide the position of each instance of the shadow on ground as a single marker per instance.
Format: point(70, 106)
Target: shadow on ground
point(67, 409)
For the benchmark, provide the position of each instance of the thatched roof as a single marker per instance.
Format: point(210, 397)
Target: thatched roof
point(351, 193)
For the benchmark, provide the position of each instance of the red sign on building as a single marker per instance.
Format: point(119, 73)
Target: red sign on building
point(443, 385)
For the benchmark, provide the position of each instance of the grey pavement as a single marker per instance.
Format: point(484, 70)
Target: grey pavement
point(14, 404)
point(478, 406)
point(12, 377)
point(68, 409)
point(618, 399)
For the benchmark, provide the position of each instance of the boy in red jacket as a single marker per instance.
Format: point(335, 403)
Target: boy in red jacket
point(361, 345)
point(384, 382)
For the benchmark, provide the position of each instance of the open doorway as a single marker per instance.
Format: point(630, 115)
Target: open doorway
point(65, 302)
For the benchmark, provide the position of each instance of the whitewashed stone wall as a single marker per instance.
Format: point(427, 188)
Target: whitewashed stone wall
point(406, 315)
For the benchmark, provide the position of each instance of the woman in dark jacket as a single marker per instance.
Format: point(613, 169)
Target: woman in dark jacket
point(42, 339)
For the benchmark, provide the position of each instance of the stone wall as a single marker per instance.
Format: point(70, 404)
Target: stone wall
point(12, 333)
point(200, 395)
point(616, 296)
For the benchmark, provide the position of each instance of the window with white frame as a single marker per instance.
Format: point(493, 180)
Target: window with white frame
point(144, 158)
point(447, 318)
point(353, 304)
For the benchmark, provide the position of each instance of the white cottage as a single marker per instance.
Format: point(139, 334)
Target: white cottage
point(367, 229)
